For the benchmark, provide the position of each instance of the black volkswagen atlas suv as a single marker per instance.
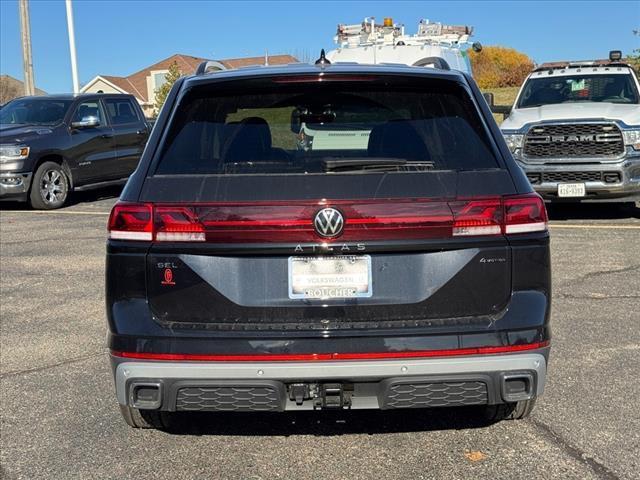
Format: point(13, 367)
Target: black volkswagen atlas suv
point(311, 237)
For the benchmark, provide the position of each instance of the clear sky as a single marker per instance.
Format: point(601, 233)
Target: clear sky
point(121, 37)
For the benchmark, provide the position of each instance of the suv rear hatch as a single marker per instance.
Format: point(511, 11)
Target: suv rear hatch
point(250, 230)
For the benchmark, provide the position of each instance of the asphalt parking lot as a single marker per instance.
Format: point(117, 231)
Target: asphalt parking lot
point(60, 418)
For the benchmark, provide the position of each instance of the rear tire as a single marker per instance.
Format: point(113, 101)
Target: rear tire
point(509, 411)
point(137, 418)
point(49, 188)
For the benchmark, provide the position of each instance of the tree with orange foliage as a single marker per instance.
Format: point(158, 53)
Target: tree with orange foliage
point(497, 67)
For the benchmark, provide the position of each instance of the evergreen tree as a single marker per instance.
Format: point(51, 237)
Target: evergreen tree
point(170, 78)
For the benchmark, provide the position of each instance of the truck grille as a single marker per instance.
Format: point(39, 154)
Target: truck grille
point(574, 141)
point(437, 394)
point(536, 178)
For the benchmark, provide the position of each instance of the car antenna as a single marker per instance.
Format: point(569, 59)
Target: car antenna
point(323, 59)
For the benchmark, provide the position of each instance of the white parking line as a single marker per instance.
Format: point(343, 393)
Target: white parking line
point(54, 212)
point(590, 227)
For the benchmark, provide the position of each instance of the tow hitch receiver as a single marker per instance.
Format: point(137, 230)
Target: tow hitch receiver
point(323, 395)
point(334, 396)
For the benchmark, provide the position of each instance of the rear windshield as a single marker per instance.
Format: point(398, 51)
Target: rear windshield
point(283, 126)
point(614, 88)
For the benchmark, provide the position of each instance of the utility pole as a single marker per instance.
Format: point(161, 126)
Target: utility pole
point(72, 47)
point(27, 61)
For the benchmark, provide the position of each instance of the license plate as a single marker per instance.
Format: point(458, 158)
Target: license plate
point(345, 276)
point(571, 190)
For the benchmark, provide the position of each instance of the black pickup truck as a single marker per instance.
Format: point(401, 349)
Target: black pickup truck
point(58, 143)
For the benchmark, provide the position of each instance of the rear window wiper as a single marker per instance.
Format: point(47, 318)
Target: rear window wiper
point(367, 163)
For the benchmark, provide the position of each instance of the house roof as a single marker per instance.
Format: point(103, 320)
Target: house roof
point(249, 61)
point(123, 83)
point(11, 82)
point(136, 83)
point(186, 64)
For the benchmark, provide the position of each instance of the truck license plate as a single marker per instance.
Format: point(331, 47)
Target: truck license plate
point(344, 276)
point(571, 190)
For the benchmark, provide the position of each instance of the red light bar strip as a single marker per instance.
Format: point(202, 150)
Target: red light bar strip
point(365, 220)
point(313, 357)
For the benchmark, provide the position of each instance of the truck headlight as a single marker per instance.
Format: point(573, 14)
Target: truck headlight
point(514, 141)
point(10, 153)
point(632, 137)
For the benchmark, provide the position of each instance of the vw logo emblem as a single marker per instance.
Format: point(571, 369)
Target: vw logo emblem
point(328, 222)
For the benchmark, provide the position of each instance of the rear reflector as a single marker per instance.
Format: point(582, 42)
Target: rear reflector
point(312, 357)
point(526, 227)
point(119, 235)
point(364, 220)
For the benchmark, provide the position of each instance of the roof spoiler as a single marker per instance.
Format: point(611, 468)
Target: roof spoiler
point(209, 66)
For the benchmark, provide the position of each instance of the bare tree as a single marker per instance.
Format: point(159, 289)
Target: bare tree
point(9, 89)
point(302, 55)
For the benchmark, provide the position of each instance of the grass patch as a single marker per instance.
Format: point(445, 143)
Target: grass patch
point(279, 120)
point(502, 96)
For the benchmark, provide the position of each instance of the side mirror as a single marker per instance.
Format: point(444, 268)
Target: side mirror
point(505, 110)
point(86, 122)
point(489, 98)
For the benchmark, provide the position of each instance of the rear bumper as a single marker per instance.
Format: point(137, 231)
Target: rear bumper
point(385, 384)
point(614, 180)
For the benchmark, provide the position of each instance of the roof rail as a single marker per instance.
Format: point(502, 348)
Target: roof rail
point(209, 66)
point(579, 64)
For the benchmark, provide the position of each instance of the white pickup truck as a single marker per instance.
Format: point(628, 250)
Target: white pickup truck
point(433, 46)
point(575, 130)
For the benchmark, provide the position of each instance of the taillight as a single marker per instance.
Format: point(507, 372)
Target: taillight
point(364, 220)
point(178, 224)
point(477, 217)
point(228, 223)
point(281, 223)
point(131, 221)
point(524, 214)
